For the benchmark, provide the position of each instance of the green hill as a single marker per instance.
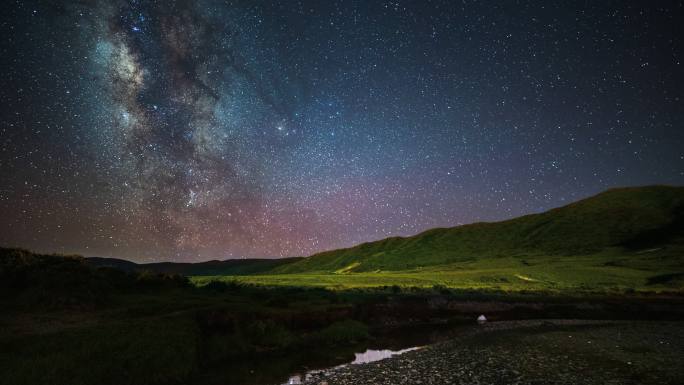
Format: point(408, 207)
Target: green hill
point(621, 221)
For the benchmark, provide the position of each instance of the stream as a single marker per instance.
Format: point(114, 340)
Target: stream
point(384, 344)
point(294, 367)
point(370, 355)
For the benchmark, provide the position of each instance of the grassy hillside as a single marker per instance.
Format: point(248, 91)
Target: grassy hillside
point(227, 267)
point(616, 222)
point(612, 271)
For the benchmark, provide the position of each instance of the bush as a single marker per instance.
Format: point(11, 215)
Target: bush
point(160, 351)
point(148, 279)
point(441, 289)
point(269, 334)
point(222, 286)
point(342, 332)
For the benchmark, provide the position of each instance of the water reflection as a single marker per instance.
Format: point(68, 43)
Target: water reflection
point(296, 379)
point(377, 355)
point(370, 355)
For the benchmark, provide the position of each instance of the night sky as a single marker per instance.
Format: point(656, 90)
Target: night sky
point(194, 130)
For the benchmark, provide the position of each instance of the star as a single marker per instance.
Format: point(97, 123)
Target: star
point(200, 130)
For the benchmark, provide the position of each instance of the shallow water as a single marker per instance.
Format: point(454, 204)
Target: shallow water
point(292, 368)
point(370, 355)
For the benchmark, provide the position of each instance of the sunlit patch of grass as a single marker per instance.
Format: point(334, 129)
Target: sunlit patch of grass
point(348, 269)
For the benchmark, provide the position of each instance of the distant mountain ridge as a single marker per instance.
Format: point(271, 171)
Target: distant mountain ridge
point(226, 267)
point(623, 219)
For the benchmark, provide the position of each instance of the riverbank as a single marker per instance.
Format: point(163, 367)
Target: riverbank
point(534, 352)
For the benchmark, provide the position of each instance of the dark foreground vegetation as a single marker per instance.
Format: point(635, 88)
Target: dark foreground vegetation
point(67, 322)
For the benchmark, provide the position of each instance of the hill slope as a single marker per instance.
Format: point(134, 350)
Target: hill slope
point(624, 219)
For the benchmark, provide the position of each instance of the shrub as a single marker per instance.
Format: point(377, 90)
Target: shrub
point(267, 333)
point(342, 332)
point(220, 286)
point(441, 289)
point(148, 279)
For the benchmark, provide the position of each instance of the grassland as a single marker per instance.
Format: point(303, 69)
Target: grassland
point(611, 271)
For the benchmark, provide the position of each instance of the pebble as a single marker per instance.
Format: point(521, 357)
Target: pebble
point(520, 352)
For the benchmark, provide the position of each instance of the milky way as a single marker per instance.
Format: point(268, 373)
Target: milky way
point(192, 130)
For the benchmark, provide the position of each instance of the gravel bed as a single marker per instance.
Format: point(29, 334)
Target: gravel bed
point(533, 352)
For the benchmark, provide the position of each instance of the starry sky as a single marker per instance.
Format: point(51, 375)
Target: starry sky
point(195, 130)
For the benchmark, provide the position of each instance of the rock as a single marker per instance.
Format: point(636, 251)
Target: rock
point(481, 319)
